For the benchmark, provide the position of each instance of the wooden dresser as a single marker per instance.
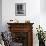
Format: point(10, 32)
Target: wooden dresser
point(22, 33)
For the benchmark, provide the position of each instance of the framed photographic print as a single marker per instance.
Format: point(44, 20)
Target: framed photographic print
point(20, 9)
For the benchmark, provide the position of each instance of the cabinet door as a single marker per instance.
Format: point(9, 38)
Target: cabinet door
point(20, 37)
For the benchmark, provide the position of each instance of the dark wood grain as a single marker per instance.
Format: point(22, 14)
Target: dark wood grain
point(22, 27)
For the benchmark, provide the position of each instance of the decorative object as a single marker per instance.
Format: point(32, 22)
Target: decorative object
point(41, 36)
point(1, 40)
point(27, 21)
point(20, 9)
point(13, 21)
point(45, 35)
point(7, 38)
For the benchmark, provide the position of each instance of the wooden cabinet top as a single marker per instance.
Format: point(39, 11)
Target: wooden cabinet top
point(20, 23)
point(20, 27)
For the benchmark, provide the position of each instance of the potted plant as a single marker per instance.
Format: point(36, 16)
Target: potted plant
point(41, 36)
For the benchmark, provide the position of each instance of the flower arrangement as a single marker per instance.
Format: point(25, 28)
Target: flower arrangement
point(40, 34)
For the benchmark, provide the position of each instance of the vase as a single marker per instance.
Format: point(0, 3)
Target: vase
point(41, 43)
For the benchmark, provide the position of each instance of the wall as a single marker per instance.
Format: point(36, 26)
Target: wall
point(34, 13)
point(43, 6)
point(0, 15)
point(43, 14)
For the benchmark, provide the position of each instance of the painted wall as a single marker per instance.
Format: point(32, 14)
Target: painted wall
point(33, 13)
point(43, 6)
point(43, 14)
point(0, 15)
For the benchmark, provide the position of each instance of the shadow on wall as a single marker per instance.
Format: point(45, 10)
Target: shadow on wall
point(0, 15)
point(43, 6)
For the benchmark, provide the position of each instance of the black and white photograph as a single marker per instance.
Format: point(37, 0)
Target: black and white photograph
point(20, 9)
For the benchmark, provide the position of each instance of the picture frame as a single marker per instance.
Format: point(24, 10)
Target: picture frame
point(20, 9)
